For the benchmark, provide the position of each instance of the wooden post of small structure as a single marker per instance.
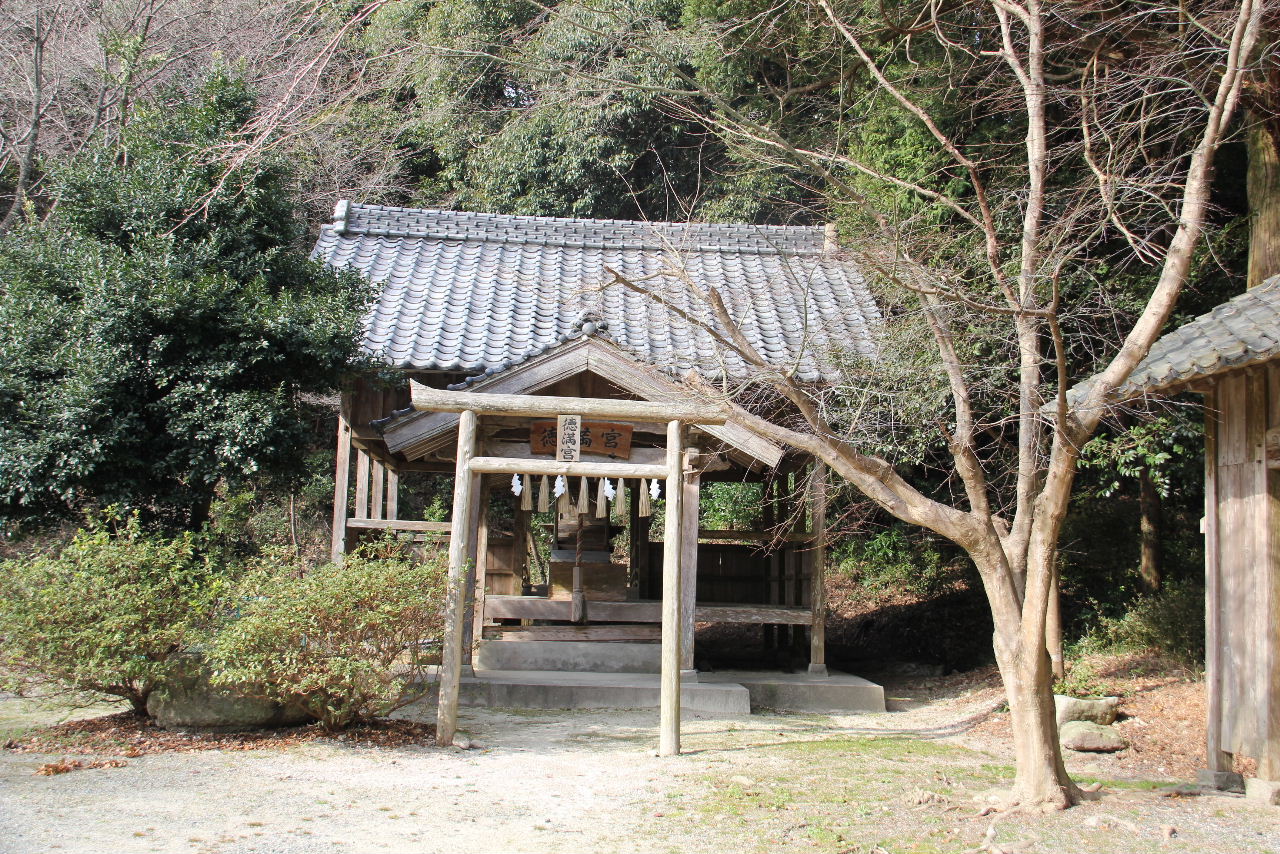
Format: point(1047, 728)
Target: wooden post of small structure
point(362, 484)
point(818, 573)
point(692, 484)
point(669, 696)
point(341, 482)
point(768, 631)
point(378, 491)
point(1218, 759)
point(480, 574)
point(455, 609)
point(393, 494)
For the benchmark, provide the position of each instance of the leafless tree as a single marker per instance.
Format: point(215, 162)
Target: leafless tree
point(72, 72)
point(1115, 113)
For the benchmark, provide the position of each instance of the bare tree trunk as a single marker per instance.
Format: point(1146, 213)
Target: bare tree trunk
point(1041, 778)
point(1264, 198)
point(1053, 625)
point(1149, 522)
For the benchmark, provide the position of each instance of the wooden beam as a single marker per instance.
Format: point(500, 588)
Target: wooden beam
point(753, 614)
point(818, 572)
point(537, 608)
point(503, 465)
point(341, 485)
point(669, 692)
point(455, 609)
point(520, 451)
point(648, 632)
point(400, 525)
point(430, 399)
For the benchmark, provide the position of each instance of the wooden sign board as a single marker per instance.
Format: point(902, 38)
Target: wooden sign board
point(568, 438)
point(600, 438)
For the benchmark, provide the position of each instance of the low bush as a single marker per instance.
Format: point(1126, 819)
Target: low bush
point(343, 639)
point(106, 613)
point(892, 560)
point(1171, 621)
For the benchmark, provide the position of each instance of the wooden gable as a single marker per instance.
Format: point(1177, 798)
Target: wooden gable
point(588, 360)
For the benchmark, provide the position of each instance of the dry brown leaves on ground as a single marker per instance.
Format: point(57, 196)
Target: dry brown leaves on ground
point(126, 734)
point(63, 766)
point(1162, 714)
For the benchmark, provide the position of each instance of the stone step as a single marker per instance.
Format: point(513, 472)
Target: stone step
point(525, 689)
point(568, 656)
point(834, 694)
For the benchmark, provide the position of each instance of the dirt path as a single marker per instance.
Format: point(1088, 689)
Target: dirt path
point(588, 781)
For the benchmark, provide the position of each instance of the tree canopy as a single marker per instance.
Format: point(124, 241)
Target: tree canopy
point(158, 331)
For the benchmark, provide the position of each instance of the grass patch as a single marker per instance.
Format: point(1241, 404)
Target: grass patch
point(846, 793)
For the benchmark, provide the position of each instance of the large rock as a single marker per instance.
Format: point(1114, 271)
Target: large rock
point(190, 702)
point(1094, 711)
point(1088, 737)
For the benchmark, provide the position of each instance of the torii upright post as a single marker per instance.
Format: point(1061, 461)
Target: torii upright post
point(669, 696)
point(456, 607)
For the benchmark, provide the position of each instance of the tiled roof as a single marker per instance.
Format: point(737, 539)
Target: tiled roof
point(480, 292)
point(1243, 330)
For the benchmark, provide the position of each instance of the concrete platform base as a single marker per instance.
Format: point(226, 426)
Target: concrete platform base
point(572, 656)
point(558, 689)
point(1263, 791)
point(833, 694)
point(1221, 781)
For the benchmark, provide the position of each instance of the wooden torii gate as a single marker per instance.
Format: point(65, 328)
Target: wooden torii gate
point(470, 468)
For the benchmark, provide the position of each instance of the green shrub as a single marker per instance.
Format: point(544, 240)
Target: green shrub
point(343, 638)
point(891, 560)
point(106, 613)
point(1171, 621)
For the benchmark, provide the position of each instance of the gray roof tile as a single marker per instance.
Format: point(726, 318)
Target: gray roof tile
point(1242, 331)
point(470, 292)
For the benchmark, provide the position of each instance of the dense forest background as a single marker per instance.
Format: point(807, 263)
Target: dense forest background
point(166, 164)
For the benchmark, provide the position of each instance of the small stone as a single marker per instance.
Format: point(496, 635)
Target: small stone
point(1101, 711)
point(1168, 831)
point(462, 742)
point(1091, 738)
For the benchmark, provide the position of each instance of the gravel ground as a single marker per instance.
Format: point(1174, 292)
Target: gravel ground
point(911, 779)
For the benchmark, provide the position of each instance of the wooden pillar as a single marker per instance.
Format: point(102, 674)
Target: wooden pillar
point(464, 499)
point(378, 490)
point(362, 484)
point(669, 696)
point(1218, 759)
point(688, 562)
point(481, 563)
point(341, 483)
point(818, 572)
point(393, 494)
point(520, 544)
point(639, 546)
point(768, 631)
